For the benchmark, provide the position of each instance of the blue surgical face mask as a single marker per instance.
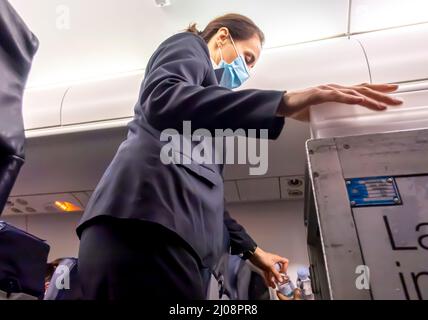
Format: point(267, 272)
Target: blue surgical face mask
point(233, 74)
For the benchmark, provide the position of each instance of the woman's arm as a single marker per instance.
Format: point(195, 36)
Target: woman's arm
point(174, 92)
point(240, 240)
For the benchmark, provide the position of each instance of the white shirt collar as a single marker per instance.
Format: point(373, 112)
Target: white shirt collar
point(215, 65)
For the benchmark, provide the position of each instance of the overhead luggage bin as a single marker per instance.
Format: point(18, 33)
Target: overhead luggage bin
point(101, 100)
point(42, 107)
point(397, 55)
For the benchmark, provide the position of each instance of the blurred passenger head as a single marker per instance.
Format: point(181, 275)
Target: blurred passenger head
point(50, 270)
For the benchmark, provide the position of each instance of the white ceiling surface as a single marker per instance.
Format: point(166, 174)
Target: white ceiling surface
point(114, 36)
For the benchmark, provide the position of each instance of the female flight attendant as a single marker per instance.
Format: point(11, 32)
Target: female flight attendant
point(155, 230)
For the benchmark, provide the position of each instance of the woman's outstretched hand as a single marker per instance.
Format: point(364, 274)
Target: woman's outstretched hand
point(372, 96)
point(266, 261)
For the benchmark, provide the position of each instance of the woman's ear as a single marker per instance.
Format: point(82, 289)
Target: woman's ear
point(222, 36)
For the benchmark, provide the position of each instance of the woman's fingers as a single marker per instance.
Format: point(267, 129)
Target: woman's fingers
point(277, 275)
point(379, 87)
point(348, 98)
point(379, 96)
point(359, 95)
point(374, 94)
point(365, 101)
point(269, 280)
point(284, 264)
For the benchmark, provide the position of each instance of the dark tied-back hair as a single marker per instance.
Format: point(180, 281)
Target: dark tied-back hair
point(240, 28)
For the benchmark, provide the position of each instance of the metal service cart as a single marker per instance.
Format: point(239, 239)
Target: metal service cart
point(366, 212)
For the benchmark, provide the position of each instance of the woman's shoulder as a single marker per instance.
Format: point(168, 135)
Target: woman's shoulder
point(186, 40)
point(186, 36)
point(181, 46)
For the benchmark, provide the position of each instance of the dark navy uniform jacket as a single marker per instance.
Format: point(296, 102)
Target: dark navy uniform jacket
point(180, 84)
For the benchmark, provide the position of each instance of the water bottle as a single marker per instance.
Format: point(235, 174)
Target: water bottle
point(304, 283)
point(286, 287)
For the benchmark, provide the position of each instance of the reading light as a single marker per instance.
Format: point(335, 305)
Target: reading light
point(67, 206)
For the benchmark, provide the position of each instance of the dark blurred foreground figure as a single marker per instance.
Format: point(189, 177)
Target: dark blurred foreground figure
point(17, 48)
point(22, 256)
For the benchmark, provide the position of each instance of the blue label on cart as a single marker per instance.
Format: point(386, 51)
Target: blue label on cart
point(373, 191)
